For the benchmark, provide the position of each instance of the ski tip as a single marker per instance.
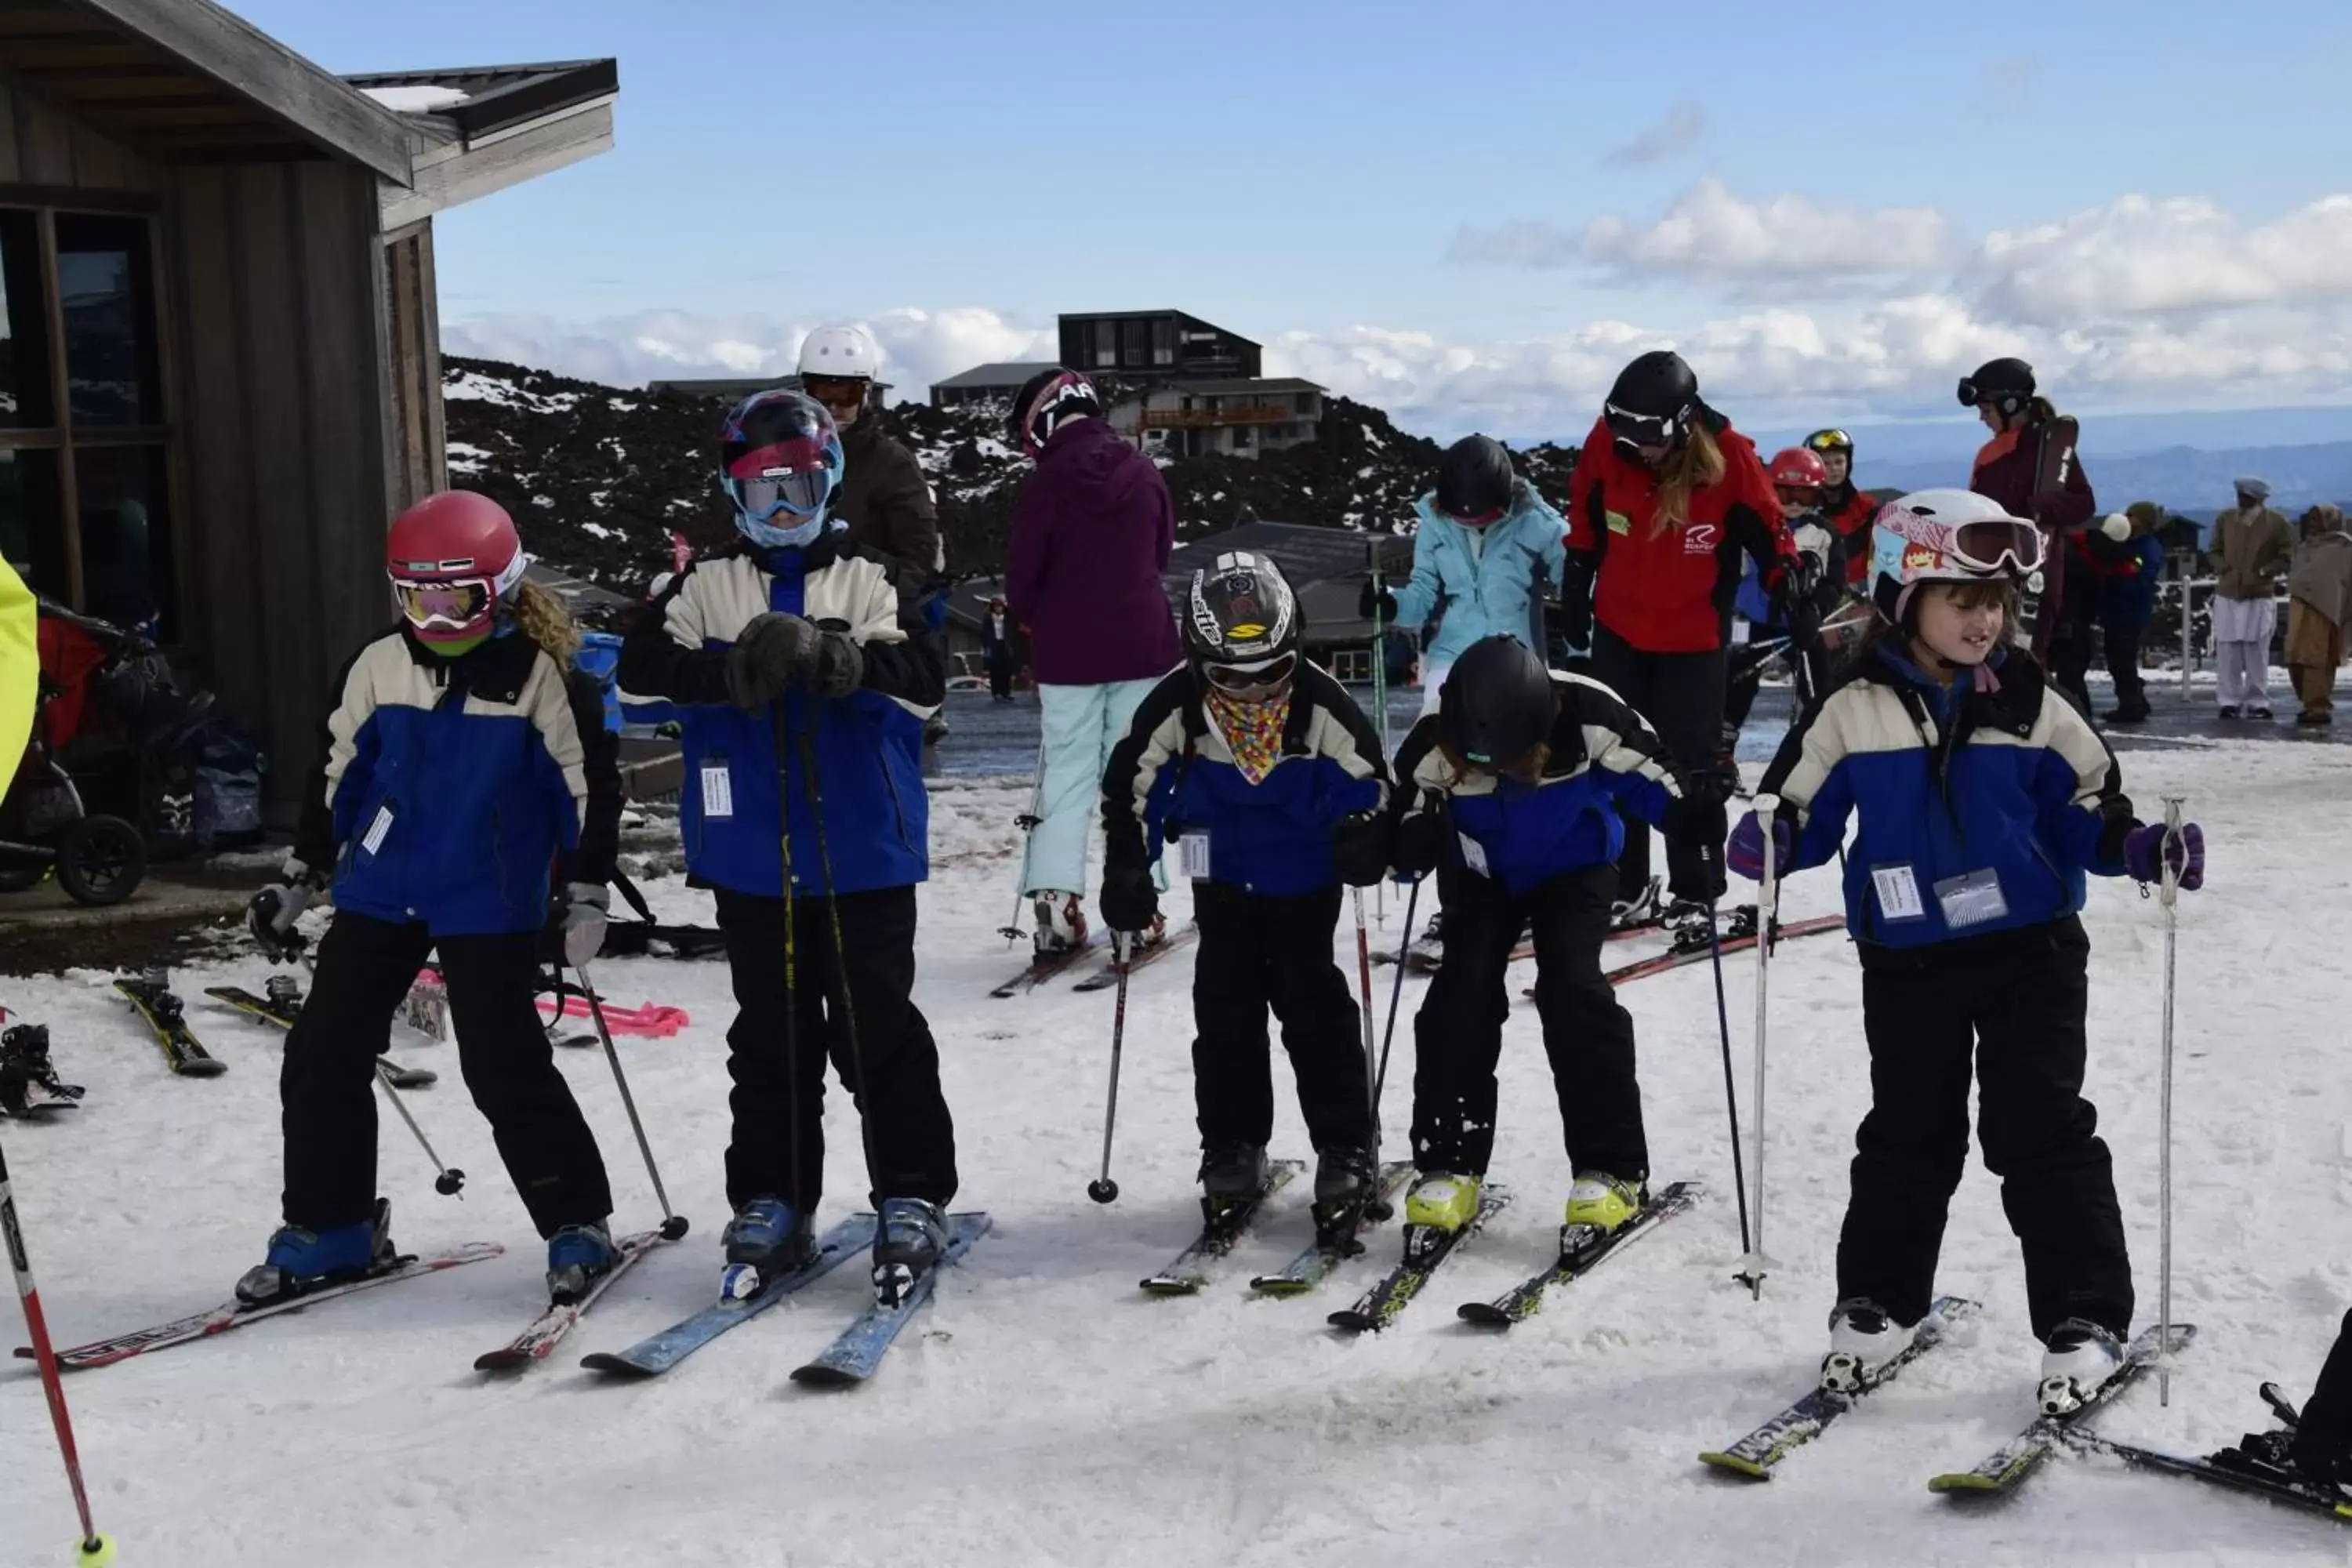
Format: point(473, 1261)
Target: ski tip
point(1160, 1287)
point(1964, 1484)
point(818, 1375)
point(605, 1361)
point(1486, 1314)
point(1349, 1320)
point(1280, 1286)
point(203, 1066)
point(1734, 1464)
point(501, 1360)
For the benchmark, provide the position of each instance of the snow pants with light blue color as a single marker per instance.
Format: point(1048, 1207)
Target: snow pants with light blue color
point(1082, 723)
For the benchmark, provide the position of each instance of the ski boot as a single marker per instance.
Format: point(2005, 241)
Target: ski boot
point(1740, 922)
point(909, 1239)
point(284, 993)
point(2288, 1454)
point(577, 1256)
point(1061, 923)
point(1598, 1204)
point(768, 1238)
point(302, 1260)
point(2080, 1356)
point(29, 1080)
point(1438, 1206)
point(1862, 1339)
point(1691, 925)
point(1233, 1176)
point(1347, 1184)
point(1640, 911)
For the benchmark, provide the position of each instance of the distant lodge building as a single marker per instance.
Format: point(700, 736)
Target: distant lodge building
point(220, 364)
point(1236, 418)
point(984, 382)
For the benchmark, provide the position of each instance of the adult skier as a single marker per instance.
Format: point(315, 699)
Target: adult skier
point(802, 677)
point(2020, 467)
point(1092, 530)
point(2254, 548)
point(1510, 793)
point(1848, 509)
point(1979, 804)
point(1667, 498)
point(462, 757)
point(1260, 752)
point(1486, 553)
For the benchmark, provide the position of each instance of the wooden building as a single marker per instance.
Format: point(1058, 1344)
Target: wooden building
point(220, 373)
point(1143, 348)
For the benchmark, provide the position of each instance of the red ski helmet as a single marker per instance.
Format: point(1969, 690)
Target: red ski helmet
point(1799, 468)
point(451, 558)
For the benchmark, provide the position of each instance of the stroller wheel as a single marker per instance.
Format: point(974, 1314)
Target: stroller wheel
point(100, 860)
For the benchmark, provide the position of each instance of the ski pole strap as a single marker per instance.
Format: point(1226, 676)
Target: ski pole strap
point(631, 897)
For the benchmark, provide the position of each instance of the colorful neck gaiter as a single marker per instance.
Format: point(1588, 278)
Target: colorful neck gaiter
point(1253, 730)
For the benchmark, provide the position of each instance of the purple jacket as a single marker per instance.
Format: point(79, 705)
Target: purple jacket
point(1091, 533)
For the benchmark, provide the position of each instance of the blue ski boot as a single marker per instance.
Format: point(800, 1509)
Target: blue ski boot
point(577, 1256)
point(907, 1241)
point(299, 1260)
point(767, 1239)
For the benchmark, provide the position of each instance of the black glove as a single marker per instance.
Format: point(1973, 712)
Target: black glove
point(1576, 608)
point(1419, 842)
point(1360, 848)
point(1376, 603)
point(769, 652)
point(1799, 609)
point(1130, 902)
point(271, 912)
point(838, 667)
point(1699, 819)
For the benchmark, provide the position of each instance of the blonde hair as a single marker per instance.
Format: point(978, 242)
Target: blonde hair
point(546, 620)
point(1689, 467)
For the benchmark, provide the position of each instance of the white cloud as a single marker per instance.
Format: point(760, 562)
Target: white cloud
point(2140, 255)
point(1709, 232)
point(1676, 133)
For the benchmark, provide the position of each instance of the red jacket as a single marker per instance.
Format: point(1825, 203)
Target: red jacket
point(2005, 471)
point(1670, 590)
point(1851, 518)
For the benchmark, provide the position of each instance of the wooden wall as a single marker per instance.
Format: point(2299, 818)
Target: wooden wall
point(417, 453)
point(280, 272)
point(39, 146)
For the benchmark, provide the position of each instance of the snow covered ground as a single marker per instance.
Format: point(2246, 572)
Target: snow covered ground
point(1047, 1413)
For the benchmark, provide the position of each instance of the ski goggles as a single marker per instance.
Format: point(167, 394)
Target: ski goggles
point(1930, 551)
point(456, 606)
point(1250, 677)
point(1798, 495)
point(790, 476)
point(1830, 441)
point(836, 391)
point(1635, 429)
point(1477, 519)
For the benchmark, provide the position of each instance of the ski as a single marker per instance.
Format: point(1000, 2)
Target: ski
point(1755, 1454)
point(1642, 969)
point(1042, 969)
point(1337, 1245)
point(1103, 978)
point(1378, 1307)
point(282, 1010)
point(1188, 1271)
point(548, 1330)
point(2054, 457)
point(1421, 961)
point(2279, 1488)
point(29, 1084)
point(236, 1314)
point(2006, 1466)
point(858, 1350)
point(658, 1353)
point(1525, 1299)
point(182, 1052)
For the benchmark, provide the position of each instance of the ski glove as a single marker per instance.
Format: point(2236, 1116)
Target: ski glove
point(1419, 842)
point(1376, 603)
point(2145, 855)
point(1695, 819)
point(582, 924)
point(271, 913)
point(1746, 854)
point(838, 667)
point(769, 652)
point(1130, 901)
point(1360, 848)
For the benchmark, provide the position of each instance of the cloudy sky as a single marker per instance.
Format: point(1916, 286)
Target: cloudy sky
point(1469, 213)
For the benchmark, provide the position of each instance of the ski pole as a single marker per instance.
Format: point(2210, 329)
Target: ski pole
point(1027, 822)
point(1103, 1190)
point(1371, 1094)
point(450, 1182)
point(1767, 907)
point(1731, 1102)
point(93, 1548)
point(2171, 898)
point(673, 1225)
point(1396, 998)
point(1380, 694)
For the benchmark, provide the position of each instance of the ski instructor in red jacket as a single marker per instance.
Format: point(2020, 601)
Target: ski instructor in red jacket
point(1665, 498)
point(2031, 468)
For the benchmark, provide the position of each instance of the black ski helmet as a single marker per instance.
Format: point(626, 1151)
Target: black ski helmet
point(1474, 480)
point(2006, 384)
point(1049, 399)
point(1497, 704)
point(1240, 613)
point(1652, 402)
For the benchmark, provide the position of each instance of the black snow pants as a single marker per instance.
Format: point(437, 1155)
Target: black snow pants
point(855, 1007)
point(1681, 694)
point(1259, 952)
point(2013, 1004)
point(1459, 1033)
point(327, 1091)
point(2322, 1441)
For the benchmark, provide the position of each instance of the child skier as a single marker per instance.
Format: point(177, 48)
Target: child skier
point(1507, 791)
point(1818, 578)
point(1263, 753)
point(802, 680)
point(1981, 800)
point(463, 757)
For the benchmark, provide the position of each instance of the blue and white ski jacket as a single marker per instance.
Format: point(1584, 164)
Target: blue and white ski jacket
point(1976, 811)
point(852, 764)
point(456, 791)
point(1520, 835)
point(1173, 773)
point(1478, 582)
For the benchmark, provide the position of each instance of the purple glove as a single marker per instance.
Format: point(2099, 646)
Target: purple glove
point(1745, 854)
point(2186, 854)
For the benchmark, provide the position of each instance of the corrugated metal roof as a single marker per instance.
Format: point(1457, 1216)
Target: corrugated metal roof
point(1242, 386)
point(1004, 373)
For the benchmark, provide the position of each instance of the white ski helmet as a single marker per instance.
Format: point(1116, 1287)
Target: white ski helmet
point(842, 352)
point(1945, 536)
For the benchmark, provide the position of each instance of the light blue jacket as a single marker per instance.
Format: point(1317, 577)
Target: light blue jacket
point(1476, 589)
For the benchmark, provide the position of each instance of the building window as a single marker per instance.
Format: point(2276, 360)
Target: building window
point(1351, 666)
point(84, 505)
point(1135, 348)
point(1106, 336)
point(1242, 437)
point(1163, 342)
point(1303, 405)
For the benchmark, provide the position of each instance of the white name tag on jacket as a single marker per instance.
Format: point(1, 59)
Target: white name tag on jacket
point(1898, 892)
point(717, 790)
point(1473, 855)
point(377, 830)
point(1193, 856)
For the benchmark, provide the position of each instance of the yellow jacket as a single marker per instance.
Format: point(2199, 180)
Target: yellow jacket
point(20, 670)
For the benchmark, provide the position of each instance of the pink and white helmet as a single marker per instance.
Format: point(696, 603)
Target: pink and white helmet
point(1945, 536)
